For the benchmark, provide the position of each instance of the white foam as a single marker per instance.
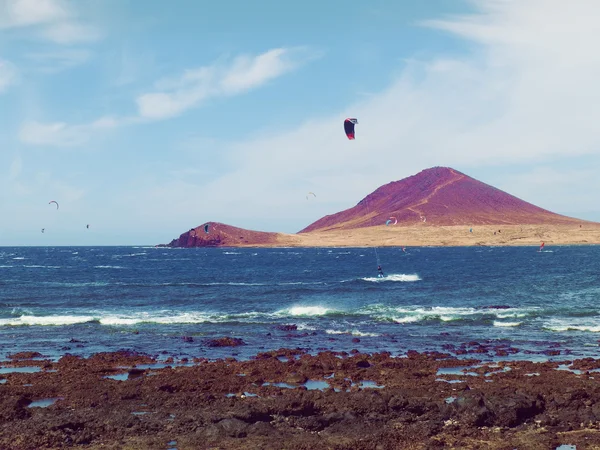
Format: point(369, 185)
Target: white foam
point(45, 320)
point(506, 324)
point(416, 313)
point(307, 311)
point(407, 319)
point(394, 277)
point(115, 320)
point(448, 318)
point(515, 313)
point(35, 266)
point(352, 332)
point(165, 319)
point(588, 324)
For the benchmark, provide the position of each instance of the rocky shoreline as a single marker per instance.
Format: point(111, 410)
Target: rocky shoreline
point(294, 400)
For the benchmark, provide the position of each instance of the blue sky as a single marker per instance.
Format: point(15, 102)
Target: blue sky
point(144, 119)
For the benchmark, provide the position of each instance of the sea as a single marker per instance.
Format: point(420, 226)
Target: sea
point(173, 302)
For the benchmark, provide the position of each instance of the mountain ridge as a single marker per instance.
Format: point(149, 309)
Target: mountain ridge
point(435, 197)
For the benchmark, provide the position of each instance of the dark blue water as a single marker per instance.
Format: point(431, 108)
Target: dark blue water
point(83, 300)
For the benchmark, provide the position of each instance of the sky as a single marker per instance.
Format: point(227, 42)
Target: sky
point(146, 118)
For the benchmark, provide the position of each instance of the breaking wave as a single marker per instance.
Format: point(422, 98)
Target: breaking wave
point(393, 277)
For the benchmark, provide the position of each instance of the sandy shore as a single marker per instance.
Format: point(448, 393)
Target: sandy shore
point(429, 235)
point(293, 400)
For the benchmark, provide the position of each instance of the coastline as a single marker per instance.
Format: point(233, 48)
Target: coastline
point(425, 235)
point(290, 399)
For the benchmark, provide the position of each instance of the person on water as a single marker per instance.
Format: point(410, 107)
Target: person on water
point(380, 272)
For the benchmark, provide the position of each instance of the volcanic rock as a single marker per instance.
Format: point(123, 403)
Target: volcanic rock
point(222, 235)
point(225, 342)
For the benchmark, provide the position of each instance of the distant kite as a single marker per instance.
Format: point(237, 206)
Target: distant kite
point(349, 127)
point(311, 193)
point(206, 228)
point(53, 201)
point(390, 220)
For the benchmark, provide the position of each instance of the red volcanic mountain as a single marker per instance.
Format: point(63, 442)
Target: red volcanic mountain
point(439, 196)
point(221, 235)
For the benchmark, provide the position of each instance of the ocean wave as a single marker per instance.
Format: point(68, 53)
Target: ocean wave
point(161, 317)
point(393, 277)
point(128, 255)
point(308, 315)
point(562, 325)
point(352, 333)
point(414, 314)
point(20, 311)
point(45, 320)
point(407, 319)
point(73, 284)
point(506, 324)
point(158, 319)
point(304, 311)
point(241, 283)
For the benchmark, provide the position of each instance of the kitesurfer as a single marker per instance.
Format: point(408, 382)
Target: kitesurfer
point(380, 272)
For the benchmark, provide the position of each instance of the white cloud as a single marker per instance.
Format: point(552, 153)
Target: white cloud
point(61, 134)
point(8, 74)
point(53, 134)
point(71, 32)
point(526, 96)
point(559, 188)
point(15, 168)
point(19, 13)
point(54, 20)
point(57, 61)
point(105, 123)
point(221, 79)
point(187, 91)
